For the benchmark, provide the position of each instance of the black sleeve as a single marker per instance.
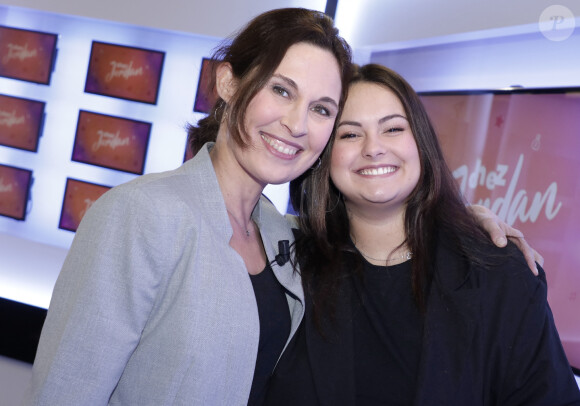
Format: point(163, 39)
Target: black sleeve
point(538, 372)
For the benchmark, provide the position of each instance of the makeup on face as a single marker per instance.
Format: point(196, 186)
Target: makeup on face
point(290, 120)
point(374, 158)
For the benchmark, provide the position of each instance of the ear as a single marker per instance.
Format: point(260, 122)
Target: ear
point(226, 83)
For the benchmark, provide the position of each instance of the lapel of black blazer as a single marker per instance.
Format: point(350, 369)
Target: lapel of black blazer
point(332, 356)
point(452, 315)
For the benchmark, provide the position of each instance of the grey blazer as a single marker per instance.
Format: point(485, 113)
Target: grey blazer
point(152, 306)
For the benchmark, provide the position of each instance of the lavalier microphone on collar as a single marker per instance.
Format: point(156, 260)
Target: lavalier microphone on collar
point(283, 252)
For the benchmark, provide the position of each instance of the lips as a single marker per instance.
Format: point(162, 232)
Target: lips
point(280, 146)
point(382, 170)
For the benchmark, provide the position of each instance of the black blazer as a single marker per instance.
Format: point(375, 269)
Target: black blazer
point(489, 339)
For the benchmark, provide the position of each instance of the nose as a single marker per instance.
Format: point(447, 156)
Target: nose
point(296, 120)
point(373, 147)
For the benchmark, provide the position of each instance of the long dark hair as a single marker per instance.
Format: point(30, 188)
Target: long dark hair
point(434, 205)
point(255, 53)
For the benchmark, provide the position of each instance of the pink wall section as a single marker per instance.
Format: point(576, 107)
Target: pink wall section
point(519, 155)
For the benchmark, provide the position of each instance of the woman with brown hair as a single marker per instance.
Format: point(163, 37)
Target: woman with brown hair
point(407, 300)
point(170, 293)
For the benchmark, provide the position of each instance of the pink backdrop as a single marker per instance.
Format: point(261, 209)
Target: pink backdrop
point(79, 197)
point(519, 154)
point(20, 121)
point(111, 142)
point(26, 55)
point(14, 188)
point(124, 72)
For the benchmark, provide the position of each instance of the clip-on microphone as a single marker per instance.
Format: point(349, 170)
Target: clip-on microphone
point(284, 252)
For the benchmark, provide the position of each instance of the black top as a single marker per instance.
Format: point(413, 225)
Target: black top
point(274, 329)
point(387, 335)
point(488, 339)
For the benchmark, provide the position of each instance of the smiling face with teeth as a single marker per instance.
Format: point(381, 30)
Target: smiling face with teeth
point(374, 158)
point(289, 121)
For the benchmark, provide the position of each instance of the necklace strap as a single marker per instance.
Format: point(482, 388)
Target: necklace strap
point(403, 256)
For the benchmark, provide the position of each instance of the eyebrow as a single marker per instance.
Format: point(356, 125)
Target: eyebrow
point(381, 121)
point(293, 85)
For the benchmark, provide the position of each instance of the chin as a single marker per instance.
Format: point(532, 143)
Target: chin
point(277, 178)
point(280, 181)
point(384, 200)
point(273, 179)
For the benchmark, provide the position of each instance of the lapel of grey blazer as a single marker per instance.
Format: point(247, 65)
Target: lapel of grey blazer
point(203, 182)
point(273, 228)
point(452, 315)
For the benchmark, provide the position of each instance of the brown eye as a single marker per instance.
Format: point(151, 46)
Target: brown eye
point(393, 130)
point(347, 136)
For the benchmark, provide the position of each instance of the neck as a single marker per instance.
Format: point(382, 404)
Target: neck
point(239, 190)
point(378, 237)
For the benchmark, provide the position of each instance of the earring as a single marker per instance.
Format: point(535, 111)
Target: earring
point(220, 108)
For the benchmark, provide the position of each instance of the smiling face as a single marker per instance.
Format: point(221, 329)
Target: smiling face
point(374, 162)
point(289, 121)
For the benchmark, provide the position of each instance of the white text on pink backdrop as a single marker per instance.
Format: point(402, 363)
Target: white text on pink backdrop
point(19, 52)
point(123, 70)
point(514, 205)
point(111, 140)
point(9, 119)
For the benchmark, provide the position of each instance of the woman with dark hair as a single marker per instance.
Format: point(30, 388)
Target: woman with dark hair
point(407, 300)
point(170, 293)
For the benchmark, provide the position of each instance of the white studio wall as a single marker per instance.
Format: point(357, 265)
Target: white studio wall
point(492, 59)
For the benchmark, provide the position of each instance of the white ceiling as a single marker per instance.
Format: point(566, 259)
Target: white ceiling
point(364, 23)
point(214, 18)
point(373, 23)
